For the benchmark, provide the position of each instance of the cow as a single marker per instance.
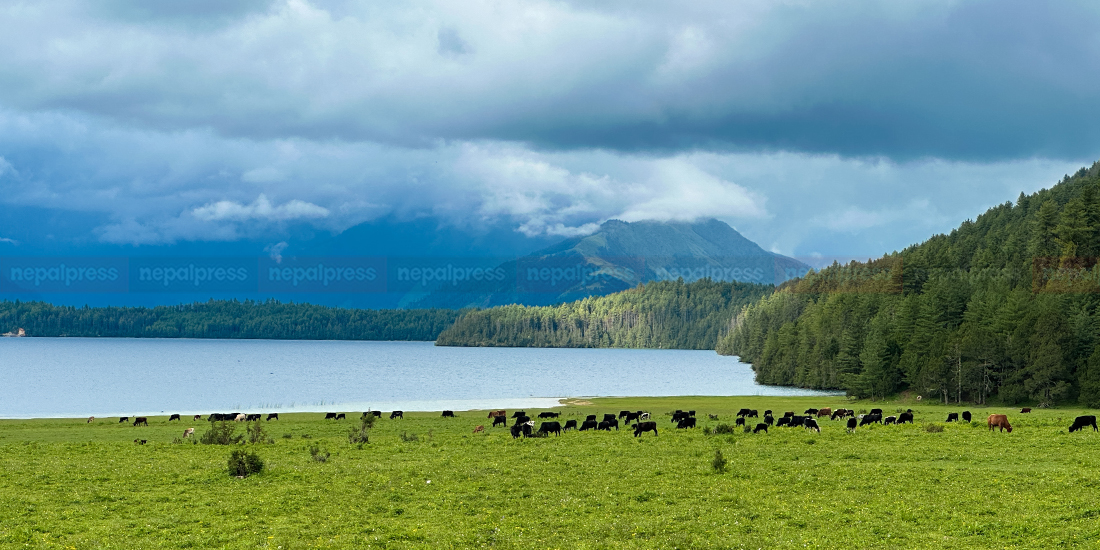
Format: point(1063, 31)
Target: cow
point(570, 424)
point(553, 427)
point(377, 414)
point(824, 412)
point(612, 423)
point(743, 412)
point(338, 417)
point(122, 419)
point(549, 414)
point(241, 417)
point(448, 414)
point(752, 414)
point(785, 421)
point(397, 414)
point(692, 413)
point(999, 421)
point(966, 416)
point(876, 411)
point(798, 421)
point(889, 420)
point(952, 417)
point(643, 427)
point(523, 419)
point(768, 412)
point(272, 416)
point(688, 422)
point(810, 411)
point(589, 425)
point(1025, 410)
point(256, 417)
point(528, 427)
point(609, 417)
point(631, 416)
point(520, 429)
point(501, 412)
point(479, 429)
point(811, 424)
point(839, 413)
point(761, 427)
point(680, 415)
point(1082, 421)
point(139, 442)
point(141, 420)
point(851, 424)
point(870, 419)
point(518, 414)
point(740, 421)
point(604, 425)
point(188, 432)
point(330, 416)
point(712, 416)
point(497, 420)
point(623, 414)
point(91, 419)
point(905, 417)
point(174, 417)
point(643, 416)
point(769, 419)
point(788, 414)
point(197, 416)
point(590, 417)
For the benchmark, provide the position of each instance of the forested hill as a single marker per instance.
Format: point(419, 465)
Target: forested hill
point(664, 314)
point(1004, 307)
point(227, 319)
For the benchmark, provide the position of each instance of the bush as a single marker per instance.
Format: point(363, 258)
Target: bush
point(242, 464)
point(406, 437)
point(359, 435)
point(719, 462)
point(256, 433)
point(221, 433)
point(933, 428)
point(722, 429)
point(318, 454)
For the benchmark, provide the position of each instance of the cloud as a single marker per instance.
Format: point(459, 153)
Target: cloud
point(907, 80)
point(276, 251)
point(9, 241)
point(260, 209)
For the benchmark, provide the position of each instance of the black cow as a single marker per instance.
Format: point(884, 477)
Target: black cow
point(769, 419)
point(966, 416)
point(753, 414)
point(174, 417)
point(788, 414)
point(141, 420)
point(688, 422)
point(643, 427)
point(521, 429)
point(272, 416)
point(607, 417)
point(338, 417)
point(810, 411)
point(623, 414)
point(397, 414)
point(870, 419)
point(889, 420)
point(851, 424)
point(589, 425)
point(798, 421)
point(549, 414)
point(876, 411)
point(518, 414)
point(680, 415)
point(499, 420)
point(768, 412)
point(905, 417)
point(570, 424)
point(743, 412)
point(256, 417)
point(612, 423)
point(952, 417)
point(553, 427)
point(691, 413)
point(740, 421)
point(811, 424)
point(122, 419)
point(332, 416)
point(1082, 421)
point(523, 419)
point(591, 417)
point(761, 427)
point(448, 414)
point(604, 425)
point(785, 421)
point(632, 416)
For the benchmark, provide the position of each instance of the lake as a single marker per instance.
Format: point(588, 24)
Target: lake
point(76, 377)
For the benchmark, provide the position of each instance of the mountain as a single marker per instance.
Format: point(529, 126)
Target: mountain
point(617, 257)
point(1005, 307)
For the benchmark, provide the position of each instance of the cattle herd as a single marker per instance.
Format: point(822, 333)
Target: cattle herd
point(641, 422)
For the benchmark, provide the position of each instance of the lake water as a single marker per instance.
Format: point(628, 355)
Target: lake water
point(76, 377)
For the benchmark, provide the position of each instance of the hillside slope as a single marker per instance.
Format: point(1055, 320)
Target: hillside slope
point(1003, 307)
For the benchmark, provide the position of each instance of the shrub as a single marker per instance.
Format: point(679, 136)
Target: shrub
point(256, 433)
point(722, 429)
point(406, 437)
point(933, 428)
point(288, 436)
point(221, 433)
point(318, 454)
point(719, 462)
point(359, 435)
point(242, 464)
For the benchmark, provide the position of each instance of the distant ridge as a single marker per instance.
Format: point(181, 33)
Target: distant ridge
point(621, 255)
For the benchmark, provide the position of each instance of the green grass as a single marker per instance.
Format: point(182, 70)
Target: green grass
point(67, 484)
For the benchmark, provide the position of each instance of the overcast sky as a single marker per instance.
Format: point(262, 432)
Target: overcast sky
point(828, 127)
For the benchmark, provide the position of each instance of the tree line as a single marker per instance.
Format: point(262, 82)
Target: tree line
point(1004, 307)
point(227, 319)
point(659, 314)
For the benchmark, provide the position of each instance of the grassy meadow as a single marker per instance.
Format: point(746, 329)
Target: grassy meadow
point(429, 482)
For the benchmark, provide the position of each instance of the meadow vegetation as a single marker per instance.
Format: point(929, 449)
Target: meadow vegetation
point(430, 482)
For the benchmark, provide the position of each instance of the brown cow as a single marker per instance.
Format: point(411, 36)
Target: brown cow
point(824, 412)
point(999, 421)
point(479, 429)
point(91, 419)
point(501, 413)
point(1025, 410)
point(188, 432)
point(141, 420)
